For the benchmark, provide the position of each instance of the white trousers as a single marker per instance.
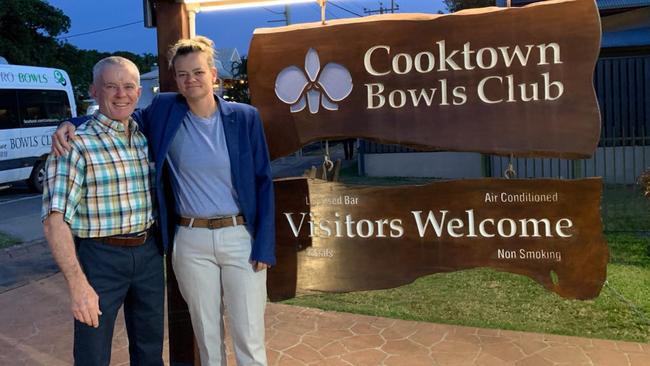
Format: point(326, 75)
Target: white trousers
point(213, 270)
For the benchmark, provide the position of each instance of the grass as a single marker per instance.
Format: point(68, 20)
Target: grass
point(624, 208)
point(7, 240)
point(490, 299)
point(348, 175)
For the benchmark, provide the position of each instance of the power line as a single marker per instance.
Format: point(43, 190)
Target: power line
point(316, 8)
point(285, 19)
point(101, 30)
point(142, 21)
point(274, 11)
point(328, 11)
point(356, 4)
point(383, 10)
point(344, 9)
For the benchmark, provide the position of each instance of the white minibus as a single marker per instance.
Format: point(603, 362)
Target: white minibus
point(33, 100)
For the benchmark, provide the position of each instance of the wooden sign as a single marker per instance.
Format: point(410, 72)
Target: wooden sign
point(491, 80)
point(338, 238)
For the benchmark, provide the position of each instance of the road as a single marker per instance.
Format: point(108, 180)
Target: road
point(20, 213)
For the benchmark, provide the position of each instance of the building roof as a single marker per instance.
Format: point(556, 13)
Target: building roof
point(625, 23)
point(630, 28)
point(224, 61)
point(602, 4)
point(153, 74)
point(621, 4)
point(627, 38)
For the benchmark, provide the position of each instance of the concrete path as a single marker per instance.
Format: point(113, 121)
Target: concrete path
point(21, 218)
point(36, 330)
point(24, 263)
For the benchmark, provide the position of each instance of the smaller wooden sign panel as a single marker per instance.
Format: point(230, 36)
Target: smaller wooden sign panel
point(337, 238)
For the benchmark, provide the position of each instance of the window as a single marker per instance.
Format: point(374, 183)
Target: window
point(43, 107)
point(8, 109)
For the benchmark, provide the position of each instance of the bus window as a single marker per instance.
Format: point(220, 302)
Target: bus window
point(8, 109)
point(43, 107)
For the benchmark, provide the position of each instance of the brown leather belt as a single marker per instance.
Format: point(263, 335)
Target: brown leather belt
point(131, 240)
point(212, 223)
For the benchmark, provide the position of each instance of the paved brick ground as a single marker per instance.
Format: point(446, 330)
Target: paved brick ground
point(21, 264)
point(36, 330)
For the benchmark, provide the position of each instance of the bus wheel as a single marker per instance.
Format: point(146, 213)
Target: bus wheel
point(37, 177)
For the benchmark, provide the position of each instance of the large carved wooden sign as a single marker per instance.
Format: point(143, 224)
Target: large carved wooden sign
point(333, 237)
point(490, 80)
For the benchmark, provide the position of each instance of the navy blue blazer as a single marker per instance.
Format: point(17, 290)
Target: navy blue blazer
point(249, 164)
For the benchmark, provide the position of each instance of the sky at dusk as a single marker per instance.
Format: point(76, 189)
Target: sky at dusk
point(228, 28)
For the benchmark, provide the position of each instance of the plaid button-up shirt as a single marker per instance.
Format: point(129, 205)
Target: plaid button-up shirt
point(102, 186)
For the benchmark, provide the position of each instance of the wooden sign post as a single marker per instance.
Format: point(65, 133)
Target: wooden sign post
point(516, 81)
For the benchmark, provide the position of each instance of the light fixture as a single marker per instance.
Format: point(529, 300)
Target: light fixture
point(209, 5)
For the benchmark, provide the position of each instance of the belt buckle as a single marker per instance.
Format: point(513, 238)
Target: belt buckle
point(212, 224)
point(143, 234)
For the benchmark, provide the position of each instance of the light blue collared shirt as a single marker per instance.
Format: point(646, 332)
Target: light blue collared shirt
point(200, 167)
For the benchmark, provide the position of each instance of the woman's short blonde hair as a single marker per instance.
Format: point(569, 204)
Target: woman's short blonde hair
point(189, 45)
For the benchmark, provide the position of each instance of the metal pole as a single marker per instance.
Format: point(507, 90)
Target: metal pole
point(322, 4)
point(287, 15)
point(191, 20)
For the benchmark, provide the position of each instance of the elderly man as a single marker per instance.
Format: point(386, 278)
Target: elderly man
point(97, 212)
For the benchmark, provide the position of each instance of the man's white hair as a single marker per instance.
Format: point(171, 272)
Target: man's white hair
point(99, 67)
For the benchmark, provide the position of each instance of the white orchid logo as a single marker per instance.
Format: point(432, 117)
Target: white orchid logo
point(326, 87)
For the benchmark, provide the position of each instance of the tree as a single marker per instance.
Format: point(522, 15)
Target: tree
point(144, 62)
point(239, 91)
point(28, 30)
point(456, 5)
point(78, 64)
